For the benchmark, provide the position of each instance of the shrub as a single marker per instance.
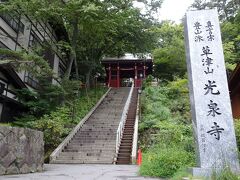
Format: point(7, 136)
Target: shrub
point(164, 162)
point(166, 130)
point(175, 134)
point(237, 131)
point(57, 124)
point(225, 174)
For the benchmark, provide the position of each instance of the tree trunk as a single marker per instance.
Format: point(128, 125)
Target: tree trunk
point(88, 76)
point(73, 56)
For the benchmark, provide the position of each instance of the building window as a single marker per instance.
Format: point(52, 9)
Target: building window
point(34, 40)
point(14, 23)
point(31, 81)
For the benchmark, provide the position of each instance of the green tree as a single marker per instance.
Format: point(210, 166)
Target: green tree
point(226, 8)
point(113, 32)
point(96, 28)
point(170, 56)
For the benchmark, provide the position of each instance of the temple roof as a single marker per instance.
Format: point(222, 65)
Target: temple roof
point(128, 57)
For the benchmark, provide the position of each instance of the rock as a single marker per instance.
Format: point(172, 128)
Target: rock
point(8, 159)
point(2, 170)
point(25, 169)
point(12, 169)
point(21, 150)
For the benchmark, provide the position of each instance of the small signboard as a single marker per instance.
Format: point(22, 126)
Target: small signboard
point(209, 94)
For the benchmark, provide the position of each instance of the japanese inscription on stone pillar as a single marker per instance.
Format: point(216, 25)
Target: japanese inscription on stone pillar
point(210, 102)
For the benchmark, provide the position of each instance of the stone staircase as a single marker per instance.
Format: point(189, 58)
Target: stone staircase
point(95, 141)
point(125, 149)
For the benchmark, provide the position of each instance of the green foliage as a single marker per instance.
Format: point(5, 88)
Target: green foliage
point(237, 131)
point(170, 56)
point(5, 124)
point(42, 100)
point(226, 8)
point(225, 174)
point(71, 88)
point(148, 81)
point(95, 28)
point(171, 133)
point(164, 162)
point(58, 122)
point(29, 61)
point(166, 135)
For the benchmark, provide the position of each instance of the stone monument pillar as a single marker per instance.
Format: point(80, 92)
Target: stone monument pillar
point(209, 95)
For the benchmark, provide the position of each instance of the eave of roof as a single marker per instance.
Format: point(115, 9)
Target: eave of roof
point(15, 79)
point(128, 58)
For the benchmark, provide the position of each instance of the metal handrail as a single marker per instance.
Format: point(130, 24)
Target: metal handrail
point(123, 120)
point(135, 134)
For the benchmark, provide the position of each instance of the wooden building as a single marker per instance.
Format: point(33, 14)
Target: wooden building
point(234, 87)
point(120, 70)
point(18, 33)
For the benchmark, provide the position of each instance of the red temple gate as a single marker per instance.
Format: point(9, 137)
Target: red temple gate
point(120, 70)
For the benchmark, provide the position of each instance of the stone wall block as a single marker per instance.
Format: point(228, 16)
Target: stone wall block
point(13, 169)
point(25, 169)
point(21, 150)
point(4, 149)
point(2, 170)
point(8, 159)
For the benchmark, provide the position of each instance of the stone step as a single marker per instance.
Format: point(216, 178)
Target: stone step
point(88, 141)
point(128, 150)
point(90, 146)
point(90, 150)
point(124, 154)
point(98, 139)
point(85, 159)
point(123, 162)
point(127, 138)
point(114, 121)
point(129, 128)
point(100, 125)
point(124, 143)
point(92, 142)
point(95, 137)
point(123, 159)
point(59, 161)
point(97, 132)
point(95, 142)
point(85, 155)
point(126, 146)
point(128, 133)
point(92, 128)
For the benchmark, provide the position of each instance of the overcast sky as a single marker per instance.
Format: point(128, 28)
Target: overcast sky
point(174, 9)
point(171, 9)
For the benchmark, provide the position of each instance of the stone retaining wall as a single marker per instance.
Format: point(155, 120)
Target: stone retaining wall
point(21, 150)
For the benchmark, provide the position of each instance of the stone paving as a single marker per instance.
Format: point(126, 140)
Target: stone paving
point(82, 172)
